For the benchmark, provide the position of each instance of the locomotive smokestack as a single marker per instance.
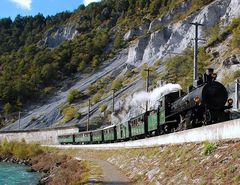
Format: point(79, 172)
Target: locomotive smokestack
point(195, 68)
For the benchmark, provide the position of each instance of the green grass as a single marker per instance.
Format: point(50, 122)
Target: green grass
point(209, 148)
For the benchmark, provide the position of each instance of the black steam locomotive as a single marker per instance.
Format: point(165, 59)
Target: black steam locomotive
point(204, 104)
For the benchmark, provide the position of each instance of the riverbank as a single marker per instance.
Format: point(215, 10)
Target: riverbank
point(55, 168)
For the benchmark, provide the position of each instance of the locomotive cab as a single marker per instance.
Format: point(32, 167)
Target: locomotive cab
point(167, 122)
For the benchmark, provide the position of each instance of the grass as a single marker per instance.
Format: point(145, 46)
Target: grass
point(20, 150)
point(209, 148)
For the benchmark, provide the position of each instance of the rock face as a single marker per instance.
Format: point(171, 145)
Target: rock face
point(136, 32)
point(136, 51)
point(233, 60)
point(178, 36)
point(57, 35)
point(232, 11)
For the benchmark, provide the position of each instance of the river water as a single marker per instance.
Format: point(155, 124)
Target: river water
point(15, 174)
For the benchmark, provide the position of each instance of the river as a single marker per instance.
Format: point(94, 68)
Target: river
point(15, 174)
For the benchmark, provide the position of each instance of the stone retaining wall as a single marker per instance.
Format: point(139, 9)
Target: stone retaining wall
point(45, 136)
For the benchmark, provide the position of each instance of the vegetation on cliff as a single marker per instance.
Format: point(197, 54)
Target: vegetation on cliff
point(29, 70)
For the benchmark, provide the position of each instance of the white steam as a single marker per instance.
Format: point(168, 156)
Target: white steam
point(135, 104)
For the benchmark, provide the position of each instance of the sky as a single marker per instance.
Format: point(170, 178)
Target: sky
point(12, 8)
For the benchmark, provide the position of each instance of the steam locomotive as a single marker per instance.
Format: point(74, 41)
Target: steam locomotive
point(206, 103)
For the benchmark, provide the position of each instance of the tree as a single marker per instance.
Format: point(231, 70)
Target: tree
point(155, 6)
point(122, 5)
point(7, 108)
point(118, 42)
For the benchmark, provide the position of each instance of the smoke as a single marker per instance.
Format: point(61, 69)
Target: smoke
point(135, 104)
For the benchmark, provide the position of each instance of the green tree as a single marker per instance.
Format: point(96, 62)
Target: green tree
point(155, 6)
point(7, 108)
point(118, 42)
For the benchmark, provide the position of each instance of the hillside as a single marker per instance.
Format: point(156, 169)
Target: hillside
point(51, 66)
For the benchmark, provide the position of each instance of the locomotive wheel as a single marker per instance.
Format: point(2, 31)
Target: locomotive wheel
point(182, 124)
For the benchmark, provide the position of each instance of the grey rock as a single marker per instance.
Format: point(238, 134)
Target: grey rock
point(136, 51)
point(152, 173)
point(58, 35)
point(233, 60)
point(135, 32)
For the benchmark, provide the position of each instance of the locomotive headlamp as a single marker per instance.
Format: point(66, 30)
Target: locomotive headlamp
point(197, 100)
point(230, 101)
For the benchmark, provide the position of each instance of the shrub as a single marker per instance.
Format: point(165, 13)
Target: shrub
point(209, 148)
point(92, 89)
point(8, 108)
point(48, 90)
point(103, 107)
point(227, 78)
point(236, 38)
point(69, 113)
point(117, 84)
point(214, 33)
point(96, 98)
point(73, 95)
point(78, 115)
point(129, 74)
point(236, 74)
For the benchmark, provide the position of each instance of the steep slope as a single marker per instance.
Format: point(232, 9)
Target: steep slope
point(153, 37)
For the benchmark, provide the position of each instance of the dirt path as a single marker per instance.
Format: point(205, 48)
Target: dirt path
point(111, 175)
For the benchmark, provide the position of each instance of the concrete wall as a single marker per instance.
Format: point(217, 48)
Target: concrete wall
point(220, 131)
point(46, 136)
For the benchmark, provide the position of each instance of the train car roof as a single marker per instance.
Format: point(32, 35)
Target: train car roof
point(100, 129)
point(84, 132)
point(110, 126)
point(65, 135)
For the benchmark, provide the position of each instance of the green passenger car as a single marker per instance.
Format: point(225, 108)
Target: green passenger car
point(109, 133)
point(137, 125)
point(97, 136)
point(123, 131)
point(66, 139)
point(83, 137)
point(153, 121)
